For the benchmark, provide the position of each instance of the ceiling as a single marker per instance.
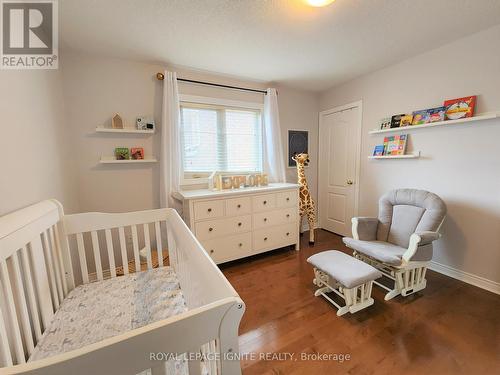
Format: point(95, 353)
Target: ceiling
point(282, 41)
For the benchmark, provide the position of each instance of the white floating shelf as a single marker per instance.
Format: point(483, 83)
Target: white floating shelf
point(113, 160)
point(481, 117)
point(101, 129)
point(407, 156)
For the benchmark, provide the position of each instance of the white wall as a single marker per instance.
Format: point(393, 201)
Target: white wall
point(36, 161)
point(460, 163)
point(96, 88)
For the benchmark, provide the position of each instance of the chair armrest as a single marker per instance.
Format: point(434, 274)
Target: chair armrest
point(364, 228)
point(417, 240)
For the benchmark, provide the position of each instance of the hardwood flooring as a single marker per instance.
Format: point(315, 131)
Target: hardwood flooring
point(448, 328)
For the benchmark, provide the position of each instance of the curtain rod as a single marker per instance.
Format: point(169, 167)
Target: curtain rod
point(161, 77)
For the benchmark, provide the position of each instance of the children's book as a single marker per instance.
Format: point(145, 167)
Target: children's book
point(122, 153)
point(436, 114)
point(406, 120)
point(385, 123)
point(379, 150)
point(460, 108)
point(395, 145)
point(396, 120)
point(420, 117)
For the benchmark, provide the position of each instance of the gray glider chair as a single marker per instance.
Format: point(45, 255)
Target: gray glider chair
point(399, 241)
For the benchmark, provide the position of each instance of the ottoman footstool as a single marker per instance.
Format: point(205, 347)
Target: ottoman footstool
point(346, 276)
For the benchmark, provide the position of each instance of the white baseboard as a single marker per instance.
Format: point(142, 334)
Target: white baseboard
point(466, 277)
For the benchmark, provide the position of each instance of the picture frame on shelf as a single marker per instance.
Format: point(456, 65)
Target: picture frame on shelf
point(137, 153)
point(122, 153)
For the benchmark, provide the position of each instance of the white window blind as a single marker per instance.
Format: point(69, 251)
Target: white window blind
point(217, 138)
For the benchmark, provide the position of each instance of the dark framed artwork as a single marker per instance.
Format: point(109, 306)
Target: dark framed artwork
point(298, 141)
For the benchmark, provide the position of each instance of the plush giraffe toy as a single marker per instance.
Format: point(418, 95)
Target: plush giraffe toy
point(306, 203)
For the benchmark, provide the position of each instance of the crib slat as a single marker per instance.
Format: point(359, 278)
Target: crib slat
point(55, 261)
point(83, 258)
point(31, 293)
point(4, 348)
point(50, 266)
point(18, 345)
point(97, 254)
point(111, 252)
point(158, 244)
point(123, 249)
point(60, 260)
point(147, 244)
point(135, 243)
point(23, 310)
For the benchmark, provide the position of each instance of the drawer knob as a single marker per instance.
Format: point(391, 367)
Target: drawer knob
point(240, 244)
point(287, 215)
point(210, 229)
point(265, 219)
point(211, 251)
point(209, 210)
point(265, 202)
point(287, 199)
point(239, 206)
point(287, 233)
point(265, 238)
point(239, 224)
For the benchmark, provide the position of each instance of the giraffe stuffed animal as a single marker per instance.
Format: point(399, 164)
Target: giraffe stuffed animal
point(306, 203)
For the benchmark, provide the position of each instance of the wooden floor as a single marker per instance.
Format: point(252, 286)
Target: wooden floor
point(448, 328)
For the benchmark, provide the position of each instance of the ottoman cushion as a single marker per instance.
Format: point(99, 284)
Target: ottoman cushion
point(348, 271)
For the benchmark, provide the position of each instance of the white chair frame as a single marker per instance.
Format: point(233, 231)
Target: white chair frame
point(409, 277)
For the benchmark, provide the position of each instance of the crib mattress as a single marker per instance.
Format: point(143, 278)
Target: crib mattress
point(103, 309)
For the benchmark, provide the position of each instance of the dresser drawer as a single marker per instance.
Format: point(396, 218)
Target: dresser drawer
point(238, 206)
point(275, 217)
point(229, 248)
point(206, 230)
point(287, 198)
point(275, 237)
point(263, 202)
point(208, 209)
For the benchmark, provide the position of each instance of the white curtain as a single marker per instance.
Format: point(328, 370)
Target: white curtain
point(170, 154)
point(274, 158)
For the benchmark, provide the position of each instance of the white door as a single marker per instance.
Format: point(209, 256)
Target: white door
point(339, 140)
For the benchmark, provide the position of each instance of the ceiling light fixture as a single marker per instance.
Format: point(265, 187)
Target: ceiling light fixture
point(319, 3)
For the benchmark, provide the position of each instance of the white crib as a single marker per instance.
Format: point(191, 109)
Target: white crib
point(44, 255)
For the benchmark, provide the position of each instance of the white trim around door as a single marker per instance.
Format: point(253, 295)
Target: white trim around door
point(358, 104)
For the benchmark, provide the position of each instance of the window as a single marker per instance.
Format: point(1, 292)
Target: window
point(220, 138)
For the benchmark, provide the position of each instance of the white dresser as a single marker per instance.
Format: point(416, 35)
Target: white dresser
point(233, 224)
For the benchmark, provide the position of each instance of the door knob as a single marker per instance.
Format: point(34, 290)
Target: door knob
point(349, 182)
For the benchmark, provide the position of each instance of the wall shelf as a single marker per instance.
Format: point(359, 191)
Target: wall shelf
point(113, 160)
point(101, 129)
point(481, 117)
point(406, 156)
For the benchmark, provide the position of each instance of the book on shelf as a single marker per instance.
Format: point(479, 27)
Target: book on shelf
point(378, 150)
point(395, 145)
point(460, 108)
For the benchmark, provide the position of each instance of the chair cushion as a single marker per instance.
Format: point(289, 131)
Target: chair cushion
point(397, 220)
point(348, 271)
point(405, 219)
point(383, 251)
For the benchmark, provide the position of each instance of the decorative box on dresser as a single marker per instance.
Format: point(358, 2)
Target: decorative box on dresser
point(233, 224)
